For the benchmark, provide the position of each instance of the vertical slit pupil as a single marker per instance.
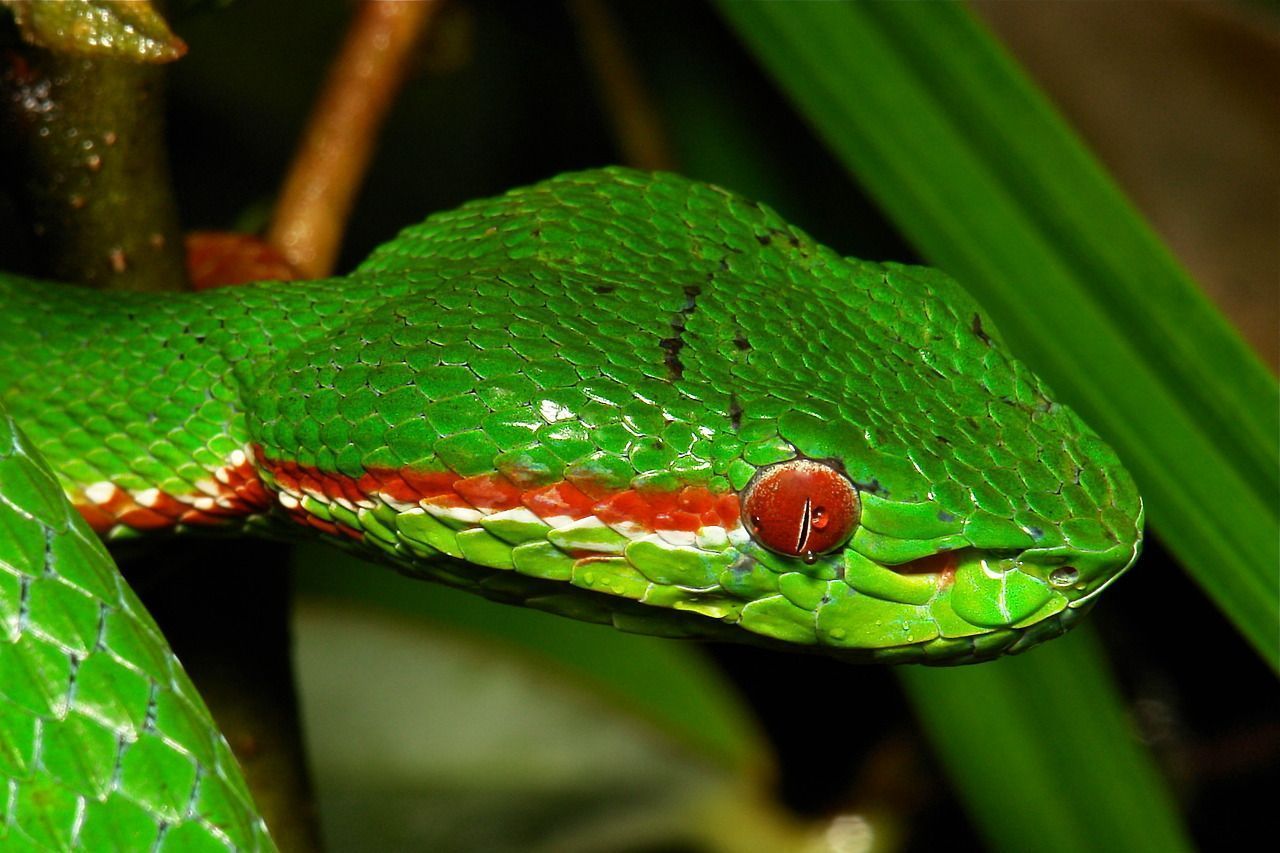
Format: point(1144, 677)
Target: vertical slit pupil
point(806, 519)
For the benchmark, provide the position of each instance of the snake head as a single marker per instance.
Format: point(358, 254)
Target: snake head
point(911, 580)
point(921, 495)
point(641, 400)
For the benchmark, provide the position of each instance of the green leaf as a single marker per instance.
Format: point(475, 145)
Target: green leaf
point(671, 683)
point(132, 30)
point(426, 738)
point(976, 168)
point(1013, 733)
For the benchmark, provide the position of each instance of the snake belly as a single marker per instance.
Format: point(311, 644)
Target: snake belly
point(571, 396)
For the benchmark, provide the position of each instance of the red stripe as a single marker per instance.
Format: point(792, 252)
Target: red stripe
point(241, 495)
point(245, 494)
point(688, 509)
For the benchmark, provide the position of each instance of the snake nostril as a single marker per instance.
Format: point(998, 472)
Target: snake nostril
point(1064, 576)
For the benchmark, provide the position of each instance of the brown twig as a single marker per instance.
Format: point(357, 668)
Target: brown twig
point(318, 193)
point(637, 127)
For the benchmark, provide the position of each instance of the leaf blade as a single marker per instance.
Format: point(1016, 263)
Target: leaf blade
point(1062, 802)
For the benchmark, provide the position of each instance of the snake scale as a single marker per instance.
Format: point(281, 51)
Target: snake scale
point(623, 397)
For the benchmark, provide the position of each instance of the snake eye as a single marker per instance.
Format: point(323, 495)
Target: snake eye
point(800, 508)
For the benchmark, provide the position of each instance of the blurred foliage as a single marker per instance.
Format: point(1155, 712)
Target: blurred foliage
point(668, 683)
point(482, 743)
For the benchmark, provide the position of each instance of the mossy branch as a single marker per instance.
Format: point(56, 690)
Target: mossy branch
point(87, 162)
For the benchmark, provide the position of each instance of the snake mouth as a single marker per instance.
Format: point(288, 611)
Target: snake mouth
point(1065, 574)
point(967, 591)
point(941, 565)
point(1057, 576)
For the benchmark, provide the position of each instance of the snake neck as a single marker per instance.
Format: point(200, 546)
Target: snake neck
point(135, 399)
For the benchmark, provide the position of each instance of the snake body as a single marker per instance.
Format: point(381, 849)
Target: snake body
point(568, 397)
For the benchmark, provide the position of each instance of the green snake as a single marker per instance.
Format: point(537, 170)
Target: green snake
point(622, 397)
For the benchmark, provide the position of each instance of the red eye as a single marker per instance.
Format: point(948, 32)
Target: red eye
point(800, 508)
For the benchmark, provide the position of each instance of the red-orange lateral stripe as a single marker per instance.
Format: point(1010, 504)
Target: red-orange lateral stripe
point(239, 492)
point(688, 509)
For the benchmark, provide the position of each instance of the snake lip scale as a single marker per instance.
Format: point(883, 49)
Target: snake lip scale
point(561, 397)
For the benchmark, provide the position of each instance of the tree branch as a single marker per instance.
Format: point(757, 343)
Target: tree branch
point(312, 211)
point(85, 148)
